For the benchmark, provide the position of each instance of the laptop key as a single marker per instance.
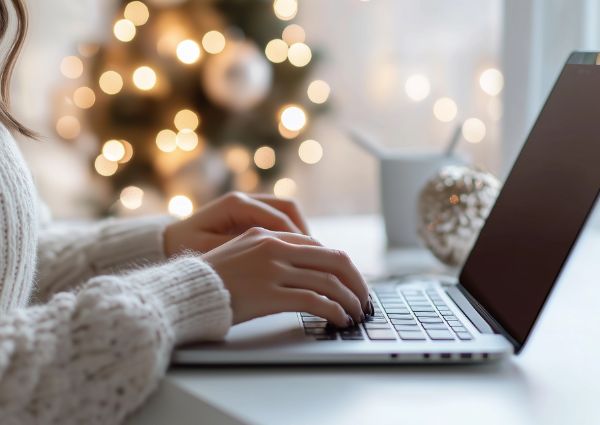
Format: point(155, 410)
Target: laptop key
point(396, 310)
point(316, 331)
point(328, 337)
point(412, 336)
point(315, 324)
point(437, 335)
point(403, 321)
point(426, 314)
point(430, 320)
point(414, 327)
point(459, 329)
point(381, 334)
point(465, 336)
point(400, 316)
point(437, 326)
point(313, 319)
point(375, 320)
point(423, 309)
point(377, 325)
point(454, 323)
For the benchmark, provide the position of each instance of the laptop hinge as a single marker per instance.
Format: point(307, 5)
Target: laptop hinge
point(477, 314)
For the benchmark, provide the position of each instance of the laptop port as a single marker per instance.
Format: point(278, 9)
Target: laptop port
point(446, 356)
point(466, 355)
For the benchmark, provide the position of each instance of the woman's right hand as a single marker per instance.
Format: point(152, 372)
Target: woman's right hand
point(272, 272)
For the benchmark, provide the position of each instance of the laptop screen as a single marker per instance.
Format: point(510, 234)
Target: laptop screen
point(543, 205)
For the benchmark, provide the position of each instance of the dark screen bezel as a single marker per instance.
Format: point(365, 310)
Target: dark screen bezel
point(575, 58)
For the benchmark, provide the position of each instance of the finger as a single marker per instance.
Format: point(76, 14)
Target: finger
point(288, 207)
point(326, 284)
point(294, 300)
point(330, 261)
point(248, 212)
point(296, 238)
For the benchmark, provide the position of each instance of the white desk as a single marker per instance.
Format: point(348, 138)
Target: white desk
point(555, 380)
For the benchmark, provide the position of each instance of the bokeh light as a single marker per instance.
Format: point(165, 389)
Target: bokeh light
point(491, 81)
point(124, 30)
point(285, 9)
point(299, 54)
point(417, 87)
point(84, 97)
point(473, 130)
point(213, 42)
point(293, 118)
point(111, 82)
point(445, 109)
point(237, 158)
point(104, 167)
point(247, 181)
point(181, 206)
point(132, 197)
point(264, 157)
point(318, 91)
point(285, 133)
point(276, 50)
point(144, 78)
point(186, 119)
point(187, 140)
point(293, 33)
point(310, 151)
point(137, 12)
point(128, 152)
point(113, 150)
point(166, 140)
point(71, 67)
point(188, 51)
point(285, 188)
point(68, 127)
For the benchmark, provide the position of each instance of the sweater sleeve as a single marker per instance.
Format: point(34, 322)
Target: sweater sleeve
point(71, 253)
point(94, 356)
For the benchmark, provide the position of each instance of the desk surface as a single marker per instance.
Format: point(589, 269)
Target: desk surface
point(554, 381)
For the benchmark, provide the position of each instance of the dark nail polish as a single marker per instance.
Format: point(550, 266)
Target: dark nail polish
point(371, 308)
point(350, 322)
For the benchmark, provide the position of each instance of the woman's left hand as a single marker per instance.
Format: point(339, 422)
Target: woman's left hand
point(228, 217)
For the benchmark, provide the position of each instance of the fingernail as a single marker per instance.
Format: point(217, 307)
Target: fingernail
point(371, 308)
point(350, 322)
point(362, 317)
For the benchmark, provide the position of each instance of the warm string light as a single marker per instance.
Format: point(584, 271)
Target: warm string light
point(293, 33)
point(137, 12)
point(247, 181)
point(144, 78)
point(166, 140)
point(188, 52)
point(128, 152)
point(113, 150)
point(265, 157)
point(213, 42)
point(287, 134)
point(293, 118)
point(445, 109)
point(417, 87)
point(71, 67)
point(132, 197)
point(104, 167)
point(186, 119)
point(276, 51)
point(285, 9)
point(84, 97)
point(473, 130)
point(68, 127)
point(110, 82)
point(284, 188)
point(310, 152)
point(124, 30)
point(187, 140)
point(491, 81)
point(299, 54)
point(181, 206)
point(318, 91)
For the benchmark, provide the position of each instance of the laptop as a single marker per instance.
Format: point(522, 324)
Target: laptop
point(490, 311)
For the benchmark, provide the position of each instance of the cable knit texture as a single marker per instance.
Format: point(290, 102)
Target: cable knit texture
point(90, 342)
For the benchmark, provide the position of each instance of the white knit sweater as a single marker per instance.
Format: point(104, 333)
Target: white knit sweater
point(87, 338)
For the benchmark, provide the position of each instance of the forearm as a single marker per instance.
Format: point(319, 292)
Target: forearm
point(97, 354)
point(69, 254)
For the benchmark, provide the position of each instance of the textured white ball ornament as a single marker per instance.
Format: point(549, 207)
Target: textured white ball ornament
point(453, 207)
point(238, 78)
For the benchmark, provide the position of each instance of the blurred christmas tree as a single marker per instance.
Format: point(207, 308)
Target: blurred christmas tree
point(190, 98)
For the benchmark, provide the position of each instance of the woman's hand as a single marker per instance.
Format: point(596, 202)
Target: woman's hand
point(230, 216)
point(269, 272)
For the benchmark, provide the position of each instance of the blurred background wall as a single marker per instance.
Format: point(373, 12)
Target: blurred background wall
point(387, 63)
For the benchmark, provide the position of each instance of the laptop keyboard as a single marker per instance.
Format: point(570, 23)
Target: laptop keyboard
point(408, 315)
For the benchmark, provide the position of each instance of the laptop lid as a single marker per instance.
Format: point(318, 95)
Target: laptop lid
point(542, 207)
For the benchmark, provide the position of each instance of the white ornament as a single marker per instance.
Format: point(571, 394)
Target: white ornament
point(237, 78)
point(453, 207)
